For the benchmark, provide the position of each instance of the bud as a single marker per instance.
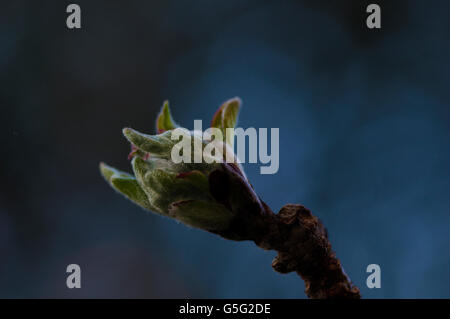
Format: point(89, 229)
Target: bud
point(196, 194)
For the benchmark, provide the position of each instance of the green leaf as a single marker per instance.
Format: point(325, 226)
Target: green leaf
point(230, 113)
point(164, 121)
point(217, 117)
point(125, 184)
point(160, 145)
point(226, 117)
point(197, 179)
point(205, 215)
point(108, 171)
point(164, 187)
point(131, 189)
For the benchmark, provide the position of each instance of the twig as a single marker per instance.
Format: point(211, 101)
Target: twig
point(295, 233)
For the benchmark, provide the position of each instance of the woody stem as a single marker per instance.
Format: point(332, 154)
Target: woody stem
point(295, 233)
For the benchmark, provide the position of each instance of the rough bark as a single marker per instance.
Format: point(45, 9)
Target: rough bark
point(295, 233)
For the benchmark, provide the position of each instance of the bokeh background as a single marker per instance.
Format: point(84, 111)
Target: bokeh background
point(364, 140)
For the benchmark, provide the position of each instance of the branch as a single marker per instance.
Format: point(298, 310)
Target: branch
point(295, 233)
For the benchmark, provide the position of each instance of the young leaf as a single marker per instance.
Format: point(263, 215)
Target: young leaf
point(230, 113)
point(164, 121)
point(226, 117)
point(217, 117)
point(201, 214)
point(154, 144)
point(125, 184)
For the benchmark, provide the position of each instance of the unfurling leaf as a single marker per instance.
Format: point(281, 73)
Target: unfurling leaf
point(201, 214)
point(164, 121)
point(125, 184)
point(226, 117)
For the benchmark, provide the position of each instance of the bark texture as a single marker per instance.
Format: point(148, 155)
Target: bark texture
point(295, 233)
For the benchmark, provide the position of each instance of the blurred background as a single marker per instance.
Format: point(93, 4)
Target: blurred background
point(364, 140)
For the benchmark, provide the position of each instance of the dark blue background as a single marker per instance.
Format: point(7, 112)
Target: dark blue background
point(364, 140)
